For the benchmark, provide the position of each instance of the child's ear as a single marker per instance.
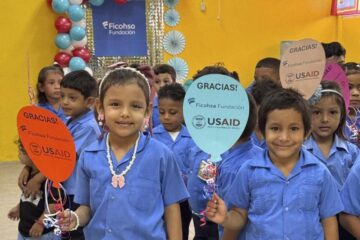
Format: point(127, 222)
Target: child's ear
point(90, 102)
point(41, 87)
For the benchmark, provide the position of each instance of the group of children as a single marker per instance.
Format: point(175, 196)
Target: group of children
point(290, 174)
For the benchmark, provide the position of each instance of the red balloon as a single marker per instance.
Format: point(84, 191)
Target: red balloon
point(62, 59)
point(121, 2)
point(82, 53)
point(49, 2)
point(63, 24)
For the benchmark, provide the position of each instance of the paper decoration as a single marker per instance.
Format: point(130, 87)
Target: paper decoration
point(172, 17)
point(174, 42)
point(181, 68)
point(171, 3)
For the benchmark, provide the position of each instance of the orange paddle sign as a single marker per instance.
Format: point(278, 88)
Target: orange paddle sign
point(302, 66)
point(47, 142)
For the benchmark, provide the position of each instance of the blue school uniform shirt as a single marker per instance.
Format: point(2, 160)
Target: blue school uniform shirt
point(84, 130)
point(181, 147)
point(257, 142)
point(59, 113)
point(350, 193)
point(282, 207)
point(155, 117)
point(135, 211)
point(198, 198)
point(341, 157)
point(232, 161)
point(352, 129)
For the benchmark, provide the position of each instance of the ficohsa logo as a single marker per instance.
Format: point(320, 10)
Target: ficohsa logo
point(198, 121)
point(105, 24)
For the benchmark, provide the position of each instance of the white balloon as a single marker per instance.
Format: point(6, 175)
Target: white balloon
point(89, 71)
point(78, 2)
point(81, 43)
point(81, 23)
point(66, 70)
point(68, 50)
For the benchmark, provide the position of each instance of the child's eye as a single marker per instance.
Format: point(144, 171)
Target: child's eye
point(114, 104)
point(72, 98)
point(138, 106)
point(316, 112)
point(334, 112)
point(275, 129)
point(294, 129)
point(173, 112)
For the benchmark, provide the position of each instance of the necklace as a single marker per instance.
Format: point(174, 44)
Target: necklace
point(119, 180)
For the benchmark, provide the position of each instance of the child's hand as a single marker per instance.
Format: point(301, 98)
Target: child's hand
point(33, 187)
point(36, 230)
point(23, 177)
point(216, 210)
point(14, 213)
point(67, 220)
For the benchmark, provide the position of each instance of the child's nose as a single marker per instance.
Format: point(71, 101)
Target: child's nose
point(124, 111)
point(324, 117)
point(284, 135)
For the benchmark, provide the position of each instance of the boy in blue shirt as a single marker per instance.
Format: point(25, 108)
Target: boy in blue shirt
point(287, 193)
point(78, 92)
point(175, 135)
point(164, 75)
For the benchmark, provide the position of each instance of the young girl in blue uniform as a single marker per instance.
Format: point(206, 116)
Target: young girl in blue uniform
point(128, 185)
point(48, 90)
point(287, 193)
point(353, 119)
point(350, 196)
point(327, 142)
point(48, 97)
point(175, 135)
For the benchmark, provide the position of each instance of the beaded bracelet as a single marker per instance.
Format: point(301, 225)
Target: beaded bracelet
point(77, 220)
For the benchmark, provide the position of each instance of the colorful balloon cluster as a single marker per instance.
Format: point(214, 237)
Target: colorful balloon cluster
point(71, 37)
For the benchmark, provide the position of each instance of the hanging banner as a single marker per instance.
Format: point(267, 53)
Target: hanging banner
point(345, 7)
point(120, 30)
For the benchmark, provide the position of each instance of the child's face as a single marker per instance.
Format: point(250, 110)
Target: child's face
point(171, 114)
point(124, 108)
point(74, 103)
point(284, 134)
point(354, 85)
point(269, 73)
point(161, 80)
point(24, 158)
point(51, 86)
point(325, 118)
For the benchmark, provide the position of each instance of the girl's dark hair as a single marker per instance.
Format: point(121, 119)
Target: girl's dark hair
point(216, 69)
point(333, 49)
point(41, 97)
point(352, 68)
point(340, 102)
point(173, 91)
point(283, 99)
point(124, 76)
point(81, 81)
